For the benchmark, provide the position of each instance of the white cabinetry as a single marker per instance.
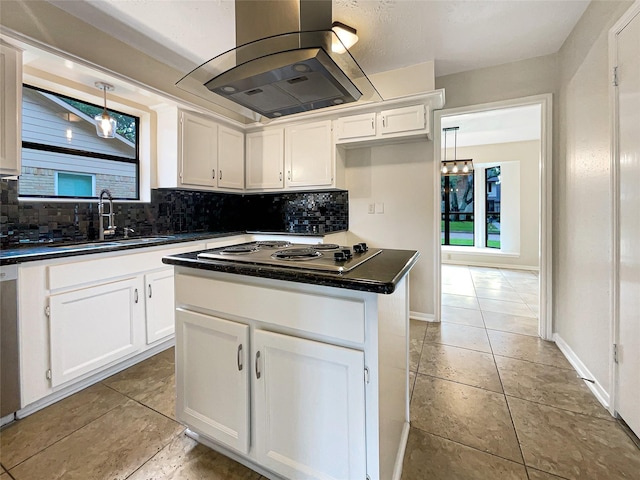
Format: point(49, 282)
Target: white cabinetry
point(93, 327)
point(265, 159)
point(213, 381)
point(10, 110)
point(309, 155)
point(370, 128)
point(304, 389)
point(160, 305)
point(194, 152)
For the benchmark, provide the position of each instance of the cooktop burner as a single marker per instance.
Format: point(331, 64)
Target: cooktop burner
point(297, 254)
point(332, 258)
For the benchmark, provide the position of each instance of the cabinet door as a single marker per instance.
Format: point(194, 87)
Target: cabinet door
point(403, 119)
point(356, 126)
point(265, 159)
point(199, 151)
point(160, 304)
point(10, 110)
point(309, 154)
point(230, 158)
point(212, 380)
point(92, 327)
point(310, 408)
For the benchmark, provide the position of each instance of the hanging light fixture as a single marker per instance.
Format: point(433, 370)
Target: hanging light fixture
point(105, 124)
point(455, 170)
point(347, 35)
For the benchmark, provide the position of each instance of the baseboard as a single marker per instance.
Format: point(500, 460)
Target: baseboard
point(397, 470)
point(423, 317)
point(490, 265)
point(601, 394)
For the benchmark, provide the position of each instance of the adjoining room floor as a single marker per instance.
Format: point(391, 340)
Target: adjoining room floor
point(489, 401)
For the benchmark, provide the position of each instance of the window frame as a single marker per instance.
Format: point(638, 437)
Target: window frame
point(86, 154)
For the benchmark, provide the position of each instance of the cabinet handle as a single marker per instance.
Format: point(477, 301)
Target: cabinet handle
point(135, 295)
point(289, 175)
point(213, 174)
point(220, 175)
point(372, 125)
point(239, 357)
point(384, 122)
point(258, 374)
point(149, 290)
point(280, 176)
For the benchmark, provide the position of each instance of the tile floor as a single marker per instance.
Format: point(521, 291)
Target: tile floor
point(489, 401)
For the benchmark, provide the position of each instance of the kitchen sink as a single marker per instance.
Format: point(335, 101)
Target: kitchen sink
point(126, 241)
point(112, 243)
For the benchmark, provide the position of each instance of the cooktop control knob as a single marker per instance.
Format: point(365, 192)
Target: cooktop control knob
point(339, 256)
point(360, 247)
point(347, 253)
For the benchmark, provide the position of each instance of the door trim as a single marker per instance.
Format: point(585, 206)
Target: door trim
point(614, 280)
point(545, 323)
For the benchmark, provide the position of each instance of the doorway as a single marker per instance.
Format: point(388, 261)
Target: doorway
point(497, 232)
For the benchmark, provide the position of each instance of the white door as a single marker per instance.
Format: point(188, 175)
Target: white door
point(265, 159)
point(310, 408)
point(160, 304)
point(309, 154)
point(230, 158)
point(92, 327)
point(629, 156)
point(199, 151)
point(213, 383)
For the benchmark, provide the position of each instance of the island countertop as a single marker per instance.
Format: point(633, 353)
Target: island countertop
point(379, 274)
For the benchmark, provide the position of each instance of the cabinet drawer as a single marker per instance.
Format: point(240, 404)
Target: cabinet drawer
point(339, 318)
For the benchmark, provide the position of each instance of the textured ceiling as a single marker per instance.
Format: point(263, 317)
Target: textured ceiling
point(457, 35)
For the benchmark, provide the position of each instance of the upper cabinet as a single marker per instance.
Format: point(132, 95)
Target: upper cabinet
point(10, 110)
point(196, 152)
point(265, 159)
point(384, 126)
point(309, 155)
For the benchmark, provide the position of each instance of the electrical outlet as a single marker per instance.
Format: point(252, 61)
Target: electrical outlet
point(372, 208)
point(379, 207)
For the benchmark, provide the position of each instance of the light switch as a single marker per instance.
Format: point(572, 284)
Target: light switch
point(372, 208)
point(380, 207)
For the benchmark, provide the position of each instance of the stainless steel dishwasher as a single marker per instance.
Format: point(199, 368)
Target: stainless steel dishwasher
point(9, 353)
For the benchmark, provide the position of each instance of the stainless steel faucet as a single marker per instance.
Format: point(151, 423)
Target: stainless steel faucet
point(111, 228)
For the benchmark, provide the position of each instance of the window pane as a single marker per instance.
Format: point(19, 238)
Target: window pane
point(74, 185)
point(493, 188)
point(457, 210)
point(60, 142)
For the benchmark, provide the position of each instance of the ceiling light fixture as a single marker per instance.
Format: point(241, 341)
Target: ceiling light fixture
point(455, 170)
point(347, 36)
point(105, 124)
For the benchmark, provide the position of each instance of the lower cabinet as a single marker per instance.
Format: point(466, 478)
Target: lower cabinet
point(306, 399)
point(92, 327)
point(159, 300)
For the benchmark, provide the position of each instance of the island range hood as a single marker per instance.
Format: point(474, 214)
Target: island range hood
point(284, 63)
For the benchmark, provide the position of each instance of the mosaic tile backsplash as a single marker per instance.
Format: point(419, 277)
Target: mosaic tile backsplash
point(173, 211)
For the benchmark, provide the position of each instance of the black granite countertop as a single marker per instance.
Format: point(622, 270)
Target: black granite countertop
point(49, 251)
point(379, 274)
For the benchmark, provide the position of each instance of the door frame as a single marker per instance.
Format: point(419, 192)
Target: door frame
point(614, 280)
point(545, 177)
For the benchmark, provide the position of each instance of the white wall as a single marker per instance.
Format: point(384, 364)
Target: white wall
point(401, 178)
point(519, 204)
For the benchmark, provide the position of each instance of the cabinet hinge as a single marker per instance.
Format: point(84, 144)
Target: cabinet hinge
point(366, 374)
point(48, 374)
point(615, 353)
point(615, 76)
point(47, 311)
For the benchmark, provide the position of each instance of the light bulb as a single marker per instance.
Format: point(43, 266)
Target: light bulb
point(455, 168)
point(106, 125)
point(445, 170)
point(465, 169)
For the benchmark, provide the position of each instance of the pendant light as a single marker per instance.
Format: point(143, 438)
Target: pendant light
point(467, 168)
point(105, 124)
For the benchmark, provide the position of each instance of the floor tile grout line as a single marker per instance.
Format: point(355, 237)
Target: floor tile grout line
point(469, 446)
point(531, 361)
point(458, 383)
point(613, 420)
point(171, 439)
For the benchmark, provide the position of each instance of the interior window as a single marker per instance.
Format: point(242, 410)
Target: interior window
point(457, 210)
point(493, 188)
point(62, 156)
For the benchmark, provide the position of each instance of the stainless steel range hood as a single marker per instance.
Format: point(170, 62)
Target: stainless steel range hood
point(284, 63)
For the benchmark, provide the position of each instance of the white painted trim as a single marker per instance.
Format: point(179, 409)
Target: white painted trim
point(596, 388)
point(614, 280)
point(437, 216)
point(545, 326)
point(93, 379)
point(404, 437)
point(423, 317)
point(507, 266)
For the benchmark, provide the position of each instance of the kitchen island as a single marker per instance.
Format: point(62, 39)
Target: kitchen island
point(296, 373)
